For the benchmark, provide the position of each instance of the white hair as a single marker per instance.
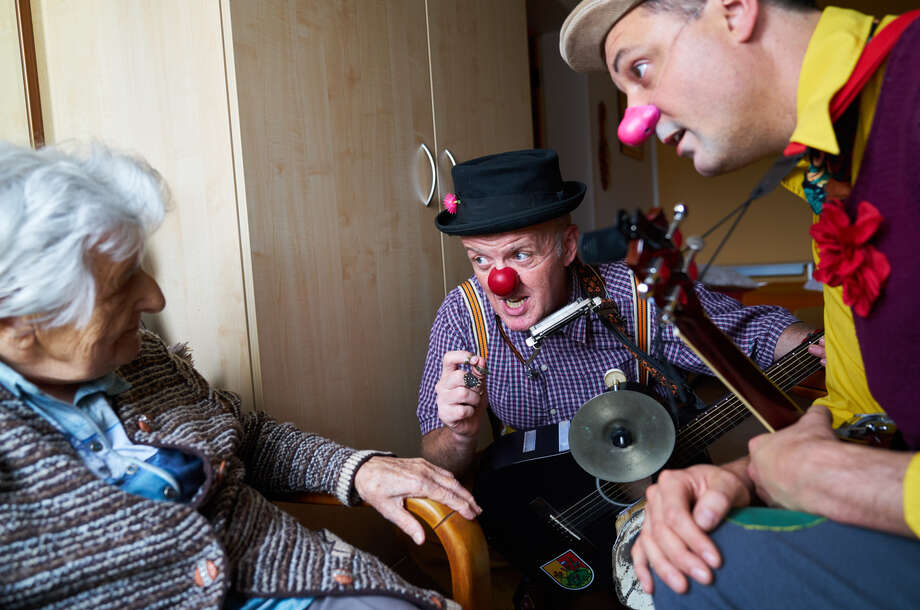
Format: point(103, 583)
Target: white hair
point(57, 208)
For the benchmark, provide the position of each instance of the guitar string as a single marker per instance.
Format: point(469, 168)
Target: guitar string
point(589, 511)
point(701, 428)
point(707, 423)
point(766, 184)
point(711, 421)
point(779, 168)
point(596, 504)
point(784, 371)
point(733, 414)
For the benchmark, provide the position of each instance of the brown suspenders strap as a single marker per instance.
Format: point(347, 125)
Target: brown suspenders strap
point(643, 330)
point(593, 285)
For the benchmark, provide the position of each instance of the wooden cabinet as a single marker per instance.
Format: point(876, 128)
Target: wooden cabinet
point(299, 260)
point(14, 107)
point(481, 81)
point(150, 77)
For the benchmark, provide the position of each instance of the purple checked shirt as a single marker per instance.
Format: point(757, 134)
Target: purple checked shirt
point(571, 364)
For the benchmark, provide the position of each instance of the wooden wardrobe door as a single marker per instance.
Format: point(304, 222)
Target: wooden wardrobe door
point(149, 78)
point(334, 104)
point(481, 79)
point(14, 115)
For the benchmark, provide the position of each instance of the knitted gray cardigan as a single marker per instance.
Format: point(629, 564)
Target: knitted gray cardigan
point(68, 539)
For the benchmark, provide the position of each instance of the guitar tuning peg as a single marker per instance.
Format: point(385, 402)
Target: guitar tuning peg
point(680, 212)
point(667, 315)
point(694, 244)
point(645, 286)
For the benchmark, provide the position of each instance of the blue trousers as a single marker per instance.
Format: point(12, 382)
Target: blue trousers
point(783, 559)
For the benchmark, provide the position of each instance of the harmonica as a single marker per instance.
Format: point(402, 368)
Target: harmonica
point(558, 319)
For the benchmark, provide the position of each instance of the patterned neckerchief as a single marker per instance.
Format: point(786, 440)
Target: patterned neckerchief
point(828, 176)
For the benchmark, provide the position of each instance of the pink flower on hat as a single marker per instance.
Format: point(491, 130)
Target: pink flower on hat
point(451, 202)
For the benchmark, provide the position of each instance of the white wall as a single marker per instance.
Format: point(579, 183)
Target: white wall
point(566, 125)
point(571, 127)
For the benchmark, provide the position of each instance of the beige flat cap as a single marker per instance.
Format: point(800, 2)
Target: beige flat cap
point(581, 39)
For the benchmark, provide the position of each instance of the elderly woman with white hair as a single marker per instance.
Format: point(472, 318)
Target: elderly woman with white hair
point(125, 480)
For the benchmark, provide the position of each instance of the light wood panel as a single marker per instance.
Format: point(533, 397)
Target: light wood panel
point(334, 102)
point(481, 79)
point(14, 119)
point(148, 77)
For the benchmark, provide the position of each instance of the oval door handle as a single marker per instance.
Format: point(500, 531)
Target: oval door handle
point(434, 173)
point(453, 161)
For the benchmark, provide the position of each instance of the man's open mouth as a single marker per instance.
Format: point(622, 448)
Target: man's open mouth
point(675, 138)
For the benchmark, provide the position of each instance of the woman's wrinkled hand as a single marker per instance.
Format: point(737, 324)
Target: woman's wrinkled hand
point(385, 483)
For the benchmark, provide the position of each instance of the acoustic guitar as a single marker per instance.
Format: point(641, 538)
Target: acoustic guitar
point(553, 520)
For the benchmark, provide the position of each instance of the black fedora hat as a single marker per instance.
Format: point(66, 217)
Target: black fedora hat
point(508, 191)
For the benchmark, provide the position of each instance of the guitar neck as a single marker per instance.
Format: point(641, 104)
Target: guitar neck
point(727, 413)
point(759, 394)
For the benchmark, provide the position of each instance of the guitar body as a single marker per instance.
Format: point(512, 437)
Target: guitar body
point(547, 516)
point(523, 501)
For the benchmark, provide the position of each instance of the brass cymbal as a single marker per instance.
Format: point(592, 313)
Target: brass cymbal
point(622, 436)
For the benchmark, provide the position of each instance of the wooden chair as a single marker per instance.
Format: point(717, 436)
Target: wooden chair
point(462, 540)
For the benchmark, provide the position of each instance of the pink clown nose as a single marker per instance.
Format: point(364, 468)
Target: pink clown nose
point(638, 124)
point(503, 281)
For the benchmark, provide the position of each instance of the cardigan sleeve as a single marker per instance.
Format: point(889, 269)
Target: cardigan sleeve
point(279, 457)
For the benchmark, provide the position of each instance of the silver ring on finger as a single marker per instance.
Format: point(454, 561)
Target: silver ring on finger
point(471, 381)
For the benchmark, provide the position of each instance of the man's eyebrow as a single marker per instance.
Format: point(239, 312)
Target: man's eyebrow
point(517, 244)
point(616, 59)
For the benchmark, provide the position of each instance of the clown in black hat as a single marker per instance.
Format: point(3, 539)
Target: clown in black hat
point(511, 212)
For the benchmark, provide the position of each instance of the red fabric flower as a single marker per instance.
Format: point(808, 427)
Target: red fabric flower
point(846, 257)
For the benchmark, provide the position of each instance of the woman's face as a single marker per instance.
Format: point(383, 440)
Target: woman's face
point(67, 355)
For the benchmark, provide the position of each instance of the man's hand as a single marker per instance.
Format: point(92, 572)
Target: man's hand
point(386, 482)
point(681, 508)
point(819, 350)
point(776, 459)
point(792, 337)
point(458, 403)
point(804, 467)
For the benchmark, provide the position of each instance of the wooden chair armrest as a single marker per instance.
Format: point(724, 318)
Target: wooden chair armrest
point(462, 539)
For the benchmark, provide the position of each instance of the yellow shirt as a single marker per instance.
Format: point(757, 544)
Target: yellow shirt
point(831, 56)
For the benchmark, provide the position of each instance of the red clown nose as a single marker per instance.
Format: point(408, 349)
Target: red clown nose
point(503, 281)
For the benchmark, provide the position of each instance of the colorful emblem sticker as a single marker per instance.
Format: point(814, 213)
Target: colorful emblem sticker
point(569, 571)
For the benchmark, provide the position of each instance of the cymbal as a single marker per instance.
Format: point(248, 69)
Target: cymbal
point(622, 436)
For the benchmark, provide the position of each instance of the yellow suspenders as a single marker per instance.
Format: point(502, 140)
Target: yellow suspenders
point(481, 334)
point(477, 318)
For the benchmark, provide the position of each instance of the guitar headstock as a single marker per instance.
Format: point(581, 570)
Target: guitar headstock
point(655, 256)
point(662, 268)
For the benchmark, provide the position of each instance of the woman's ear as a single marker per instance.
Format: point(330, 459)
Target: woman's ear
point(17, 333)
